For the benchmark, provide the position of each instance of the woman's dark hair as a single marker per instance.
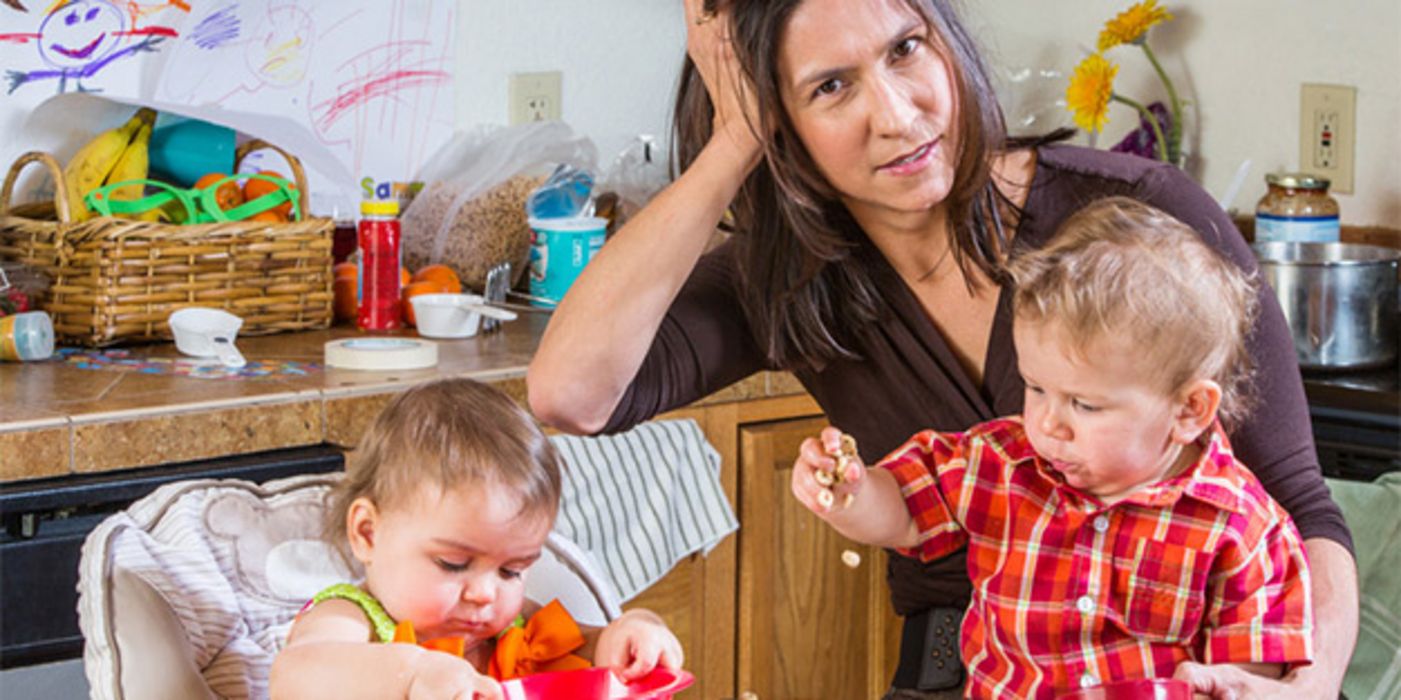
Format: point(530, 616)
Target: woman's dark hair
point(793, 230)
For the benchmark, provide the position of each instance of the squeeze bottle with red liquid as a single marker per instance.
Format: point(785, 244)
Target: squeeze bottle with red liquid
point(379, 307)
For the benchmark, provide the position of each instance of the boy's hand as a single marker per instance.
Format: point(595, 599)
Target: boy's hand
point(439, 676)
point(636, 643)
point(827, 474)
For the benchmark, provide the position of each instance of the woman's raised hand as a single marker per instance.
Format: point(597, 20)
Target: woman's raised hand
point(709, 45)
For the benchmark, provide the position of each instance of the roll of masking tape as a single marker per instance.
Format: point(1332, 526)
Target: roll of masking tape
point(381, 354)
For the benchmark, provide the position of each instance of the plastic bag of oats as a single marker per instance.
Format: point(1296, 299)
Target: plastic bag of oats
point(470, 214)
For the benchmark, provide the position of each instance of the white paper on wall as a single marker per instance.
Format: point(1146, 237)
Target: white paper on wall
point(360, 90)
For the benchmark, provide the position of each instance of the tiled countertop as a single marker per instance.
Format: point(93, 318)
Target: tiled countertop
point(57, 418)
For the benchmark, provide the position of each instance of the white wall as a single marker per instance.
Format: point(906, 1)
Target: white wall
point(1241, 63)
point(619, 59)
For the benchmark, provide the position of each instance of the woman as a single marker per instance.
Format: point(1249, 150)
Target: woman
point(861, 150)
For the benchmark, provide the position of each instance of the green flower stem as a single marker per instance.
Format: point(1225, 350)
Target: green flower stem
point(1174, 143)
point(1152, 121)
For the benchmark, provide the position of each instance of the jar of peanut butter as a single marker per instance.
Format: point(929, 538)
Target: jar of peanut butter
point(1296, 209)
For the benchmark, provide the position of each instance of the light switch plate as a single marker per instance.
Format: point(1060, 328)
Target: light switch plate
point(534, 97)
point(1328, 133)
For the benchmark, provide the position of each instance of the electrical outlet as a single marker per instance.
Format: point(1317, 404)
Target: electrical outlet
point(534, 97)
point(1328, 133)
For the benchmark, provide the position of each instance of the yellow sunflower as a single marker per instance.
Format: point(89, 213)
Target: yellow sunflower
point(1089, 91)
point(1131, 24)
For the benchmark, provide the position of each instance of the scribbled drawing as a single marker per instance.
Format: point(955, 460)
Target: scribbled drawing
point(384, 79)
point(16, 4)
point(279, 53)
point(80, 38)
point(219, 28)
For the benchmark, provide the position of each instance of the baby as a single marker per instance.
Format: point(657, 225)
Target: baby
point(1111, 534)
point(446, 503)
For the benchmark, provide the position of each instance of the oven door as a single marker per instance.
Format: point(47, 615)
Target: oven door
point(46, 522)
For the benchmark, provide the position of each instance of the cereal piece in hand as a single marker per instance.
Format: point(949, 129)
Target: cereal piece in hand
point(825, 499)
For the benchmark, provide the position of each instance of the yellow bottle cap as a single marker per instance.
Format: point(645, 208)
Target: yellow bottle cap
point(380, 207)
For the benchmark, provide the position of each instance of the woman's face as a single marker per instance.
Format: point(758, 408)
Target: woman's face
point(870, 94)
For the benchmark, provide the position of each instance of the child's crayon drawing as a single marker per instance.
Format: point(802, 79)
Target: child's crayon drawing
point(78, 39)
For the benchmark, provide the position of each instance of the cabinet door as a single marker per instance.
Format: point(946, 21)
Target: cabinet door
point(810, 627)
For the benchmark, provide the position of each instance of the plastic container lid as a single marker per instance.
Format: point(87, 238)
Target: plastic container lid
point(379, 207)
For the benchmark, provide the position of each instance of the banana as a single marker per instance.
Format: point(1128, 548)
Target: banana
point(95, 161)
point(132, 165)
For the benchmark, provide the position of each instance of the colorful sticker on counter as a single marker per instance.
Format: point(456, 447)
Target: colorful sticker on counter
point(126, 361)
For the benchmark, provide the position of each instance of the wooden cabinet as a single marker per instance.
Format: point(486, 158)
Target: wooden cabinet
point(773, 610)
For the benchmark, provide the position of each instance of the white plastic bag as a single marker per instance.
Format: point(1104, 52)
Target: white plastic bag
point(634, 178)
point(470, 214)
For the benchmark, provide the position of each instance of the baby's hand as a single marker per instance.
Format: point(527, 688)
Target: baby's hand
point(827, 474)
point(439, 676)
point(636, 643)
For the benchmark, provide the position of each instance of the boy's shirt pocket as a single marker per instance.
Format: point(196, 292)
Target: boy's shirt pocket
point(1159, 594)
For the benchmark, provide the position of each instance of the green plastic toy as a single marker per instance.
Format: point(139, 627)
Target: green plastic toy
point(193, 206)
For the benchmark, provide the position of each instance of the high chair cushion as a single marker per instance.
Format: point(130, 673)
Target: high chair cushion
point(1373, 512)
point(191, 590)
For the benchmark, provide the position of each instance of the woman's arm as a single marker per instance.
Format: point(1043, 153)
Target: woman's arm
point(603, 328)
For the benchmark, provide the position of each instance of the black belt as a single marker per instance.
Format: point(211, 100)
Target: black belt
point(929, 653)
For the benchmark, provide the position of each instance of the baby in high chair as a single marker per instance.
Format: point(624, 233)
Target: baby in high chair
point(446, 503)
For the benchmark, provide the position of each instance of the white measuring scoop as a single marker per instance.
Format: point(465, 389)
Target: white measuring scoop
point(201, 332)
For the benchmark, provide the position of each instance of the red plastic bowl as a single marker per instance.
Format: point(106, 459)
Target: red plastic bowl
point(597, 684)
point(1137, 689)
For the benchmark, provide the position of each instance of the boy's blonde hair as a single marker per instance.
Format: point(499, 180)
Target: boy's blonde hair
point(1120, 267)
point(449, 433)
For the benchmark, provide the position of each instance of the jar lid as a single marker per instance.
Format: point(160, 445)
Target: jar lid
point(380, 207)
point(1298, 181)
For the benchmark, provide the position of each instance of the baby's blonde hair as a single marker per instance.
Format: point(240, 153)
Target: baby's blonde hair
point(449, 433)
point(1120, 267)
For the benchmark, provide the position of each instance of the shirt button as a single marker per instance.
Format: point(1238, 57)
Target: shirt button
point(1101, 523)
point(1088, 681)
point(1085, 604)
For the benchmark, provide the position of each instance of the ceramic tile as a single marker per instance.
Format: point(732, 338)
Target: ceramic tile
point(35, 447)
point(118, 441)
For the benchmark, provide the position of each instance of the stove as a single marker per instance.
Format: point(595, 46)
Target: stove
point(1356, 421)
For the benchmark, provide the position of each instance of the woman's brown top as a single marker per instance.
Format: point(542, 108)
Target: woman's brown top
point(908, 379)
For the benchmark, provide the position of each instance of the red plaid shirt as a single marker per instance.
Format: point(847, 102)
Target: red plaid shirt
point(1068, 593)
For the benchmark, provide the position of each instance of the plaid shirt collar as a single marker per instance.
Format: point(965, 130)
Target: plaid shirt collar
point(1210, 479)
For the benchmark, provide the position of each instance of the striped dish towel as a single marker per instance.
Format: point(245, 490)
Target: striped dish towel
point(642, 500)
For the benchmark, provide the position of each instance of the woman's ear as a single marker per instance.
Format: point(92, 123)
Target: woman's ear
point(361, 522)
point(1196, 410)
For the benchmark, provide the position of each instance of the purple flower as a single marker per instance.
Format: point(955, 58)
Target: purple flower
point(1142, 141)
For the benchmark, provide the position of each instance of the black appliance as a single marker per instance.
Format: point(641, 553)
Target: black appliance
point(1356, 421)
point(47, 520)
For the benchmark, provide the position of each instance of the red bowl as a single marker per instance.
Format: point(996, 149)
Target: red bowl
point(1137, 689)
point(597, 684)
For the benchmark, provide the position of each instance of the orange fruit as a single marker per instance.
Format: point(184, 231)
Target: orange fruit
point(404, 277)
point(254, 188)
point(414, 289)
point(227, 196)
point(439, 273)
point(270, 216)
point(345, 302)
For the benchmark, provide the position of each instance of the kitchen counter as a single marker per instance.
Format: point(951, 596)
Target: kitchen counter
point(57, 418)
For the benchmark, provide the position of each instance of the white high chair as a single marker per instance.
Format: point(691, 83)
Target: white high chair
point(190, 592)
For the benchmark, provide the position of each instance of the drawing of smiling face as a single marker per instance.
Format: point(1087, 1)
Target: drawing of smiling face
point(80, 32)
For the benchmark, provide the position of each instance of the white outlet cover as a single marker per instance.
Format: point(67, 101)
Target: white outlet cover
point(534, 97)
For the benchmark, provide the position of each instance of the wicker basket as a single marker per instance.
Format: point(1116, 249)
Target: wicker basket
point(118, 280)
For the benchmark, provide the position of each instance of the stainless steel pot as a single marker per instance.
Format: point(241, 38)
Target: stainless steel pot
point(1340, 300)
